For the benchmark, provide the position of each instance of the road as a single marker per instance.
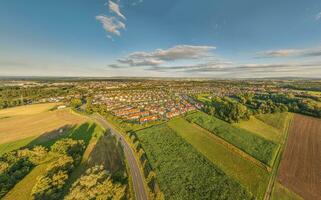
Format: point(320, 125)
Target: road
point(136, 175)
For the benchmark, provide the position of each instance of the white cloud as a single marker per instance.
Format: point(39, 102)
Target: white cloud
point(114, 7)
point(111, 24)
point(308, 52)
point(318, 16)
point(166, 56)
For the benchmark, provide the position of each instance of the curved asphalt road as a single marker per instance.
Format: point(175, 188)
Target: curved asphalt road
point(137, 177)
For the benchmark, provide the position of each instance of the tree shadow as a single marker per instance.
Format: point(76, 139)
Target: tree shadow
point(77, 132)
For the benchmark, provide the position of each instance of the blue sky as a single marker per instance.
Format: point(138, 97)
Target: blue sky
point(168, 38)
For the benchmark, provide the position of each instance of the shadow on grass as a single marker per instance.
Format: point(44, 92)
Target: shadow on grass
point(81, 132)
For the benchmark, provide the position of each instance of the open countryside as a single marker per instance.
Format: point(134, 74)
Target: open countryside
point(160, 100)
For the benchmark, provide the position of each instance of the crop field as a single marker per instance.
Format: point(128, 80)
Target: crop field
point(183, 172)
point(26, 126)
point(270, 126)
point(26, 110)
point(300, 166)
point(252, 177)
point(260, 148)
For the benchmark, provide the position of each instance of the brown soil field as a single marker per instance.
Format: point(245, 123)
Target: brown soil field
point(300, 169)
point(20, 127)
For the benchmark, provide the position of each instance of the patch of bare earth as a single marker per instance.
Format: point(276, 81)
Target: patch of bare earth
point(300, 168)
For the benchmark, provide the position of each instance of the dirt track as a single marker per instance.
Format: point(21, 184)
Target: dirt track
point(300, 169)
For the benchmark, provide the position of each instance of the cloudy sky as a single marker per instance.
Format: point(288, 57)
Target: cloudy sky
point(167, 38)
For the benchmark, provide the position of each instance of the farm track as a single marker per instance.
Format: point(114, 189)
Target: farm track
point(300, 166)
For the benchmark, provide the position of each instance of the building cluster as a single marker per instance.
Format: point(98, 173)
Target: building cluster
point(143, 105)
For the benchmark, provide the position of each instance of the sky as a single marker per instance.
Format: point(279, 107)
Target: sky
point(167, 38)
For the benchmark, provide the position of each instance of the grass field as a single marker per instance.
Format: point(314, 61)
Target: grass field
point(269, 126)
point(256, 146)
point(27, 126)
point(183, 172)
point(26, 110)
point(282, 193)
point(252, 177)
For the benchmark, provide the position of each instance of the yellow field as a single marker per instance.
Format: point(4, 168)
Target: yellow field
point(27, 110)
point(26, 126)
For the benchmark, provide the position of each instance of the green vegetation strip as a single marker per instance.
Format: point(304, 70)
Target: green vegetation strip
point(258, 147)
point(182, 172)
point(252, 177)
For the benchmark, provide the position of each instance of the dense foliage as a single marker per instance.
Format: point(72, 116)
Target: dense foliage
point(182, 172)
point(96, 183)
point(226, 109)
point(256, 146)
point(50, 185)
point(15, 165)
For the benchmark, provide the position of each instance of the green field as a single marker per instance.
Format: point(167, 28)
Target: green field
point(256, 146)
point(183, 172)
point(277, 120)
point(282, 193)
point(252, 177)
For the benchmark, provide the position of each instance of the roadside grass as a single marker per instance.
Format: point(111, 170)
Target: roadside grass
point(282, 193)
point(250, 176)
point(27, 109)
point(183, 172)
point(252, 144)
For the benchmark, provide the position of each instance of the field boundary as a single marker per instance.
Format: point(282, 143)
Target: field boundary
point(235, 149)
point(278, 159)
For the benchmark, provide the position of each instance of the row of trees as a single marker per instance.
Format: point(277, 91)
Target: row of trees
point(50, 185)
point(96, 183)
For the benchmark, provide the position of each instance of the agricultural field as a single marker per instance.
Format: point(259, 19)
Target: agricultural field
point(233, 163)
point(281, 192)
point(260, 148)
point(27, 110)
point(270, 126)
point(18, 130)
point(182, 171)
point(300, 166)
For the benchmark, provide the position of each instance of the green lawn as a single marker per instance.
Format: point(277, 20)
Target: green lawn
point(282, 193)
point(183, 172)
point(252, 177)
point(256, 146)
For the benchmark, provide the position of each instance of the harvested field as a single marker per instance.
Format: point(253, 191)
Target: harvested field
point(300, 165)
point(27, 110)
point(20, 127)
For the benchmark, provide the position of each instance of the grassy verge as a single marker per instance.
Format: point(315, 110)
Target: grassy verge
point(282, 193)
point(250, 176)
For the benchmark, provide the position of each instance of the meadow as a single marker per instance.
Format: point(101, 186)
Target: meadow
point(182, 171)
point(260, 148)
point(26, 110)
point(269, 126)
